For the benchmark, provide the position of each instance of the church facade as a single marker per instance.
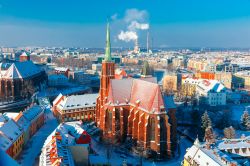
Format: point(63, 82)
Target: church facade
point(19, 80)
point(133, 108)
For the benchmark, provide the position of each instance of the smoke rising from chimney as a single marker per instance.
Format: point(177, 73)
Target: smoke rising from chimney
point(136, 21)
point(128, 36)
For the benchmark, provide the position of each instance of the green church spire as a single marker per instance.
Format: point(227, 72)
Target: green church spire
point(107, 51)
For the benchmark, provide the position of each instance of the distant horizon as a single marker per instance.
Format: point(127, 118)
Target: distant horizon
point(143, 47)
point(210, 23)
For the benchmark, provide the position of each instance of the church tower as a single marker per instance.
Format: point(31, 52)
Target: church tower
point(108, 68)
point(108, 72)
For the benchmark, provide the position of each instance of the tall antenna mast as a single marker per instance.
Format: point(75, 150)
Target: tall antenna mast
point(148, 42)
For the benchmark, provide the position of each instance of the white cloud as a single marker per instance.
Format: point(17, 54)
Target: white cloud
point(133, 21)
point(135, 15)
point(134, 25)
point(127, 36)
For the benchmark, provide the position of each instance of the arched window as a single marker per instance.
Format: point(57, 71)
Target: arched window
point(109, 120)
point(152, 129)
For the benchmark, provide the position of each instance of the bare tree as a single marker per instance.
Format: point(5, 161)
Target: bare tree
point(245, 120)
point(209, 135)
point(28, 89)
point(229, 132)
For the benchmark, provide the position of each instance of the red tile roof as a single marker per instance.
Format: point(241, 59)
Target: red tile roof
point(136, 91)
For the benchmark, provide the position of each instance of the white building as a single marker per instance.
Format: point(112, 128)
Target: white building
point(97, 67)
point(200, 155)
point(212, 91)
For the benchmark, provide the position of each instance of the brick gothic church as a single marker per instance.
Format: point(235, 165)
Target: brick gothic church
point(134, 108)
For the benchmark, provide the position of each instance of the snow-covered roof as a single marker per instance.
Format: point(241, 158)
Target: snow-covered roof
point(206, 85)
point(69, 131)
point(62, 69)
point(5, 142)
point(204, 156)
point(21, 70)
point(132, 91)
point(64, 136)
point(60, 152)
point(57, 77)
point(22, 121)
point(77, 101)
point(57, 99)
point(3, 118)
point(24, 54)
point(211, 85)
point(73, 129)
point(11, 115)
point(11, 129)
point(33, 112)
point(234, 144)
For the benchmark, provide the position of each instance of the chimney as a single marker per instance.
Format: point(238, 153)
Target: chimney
point(148, 42)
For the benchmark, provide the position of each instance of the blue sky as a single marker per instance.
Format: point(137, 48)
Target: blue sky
point(173, 23)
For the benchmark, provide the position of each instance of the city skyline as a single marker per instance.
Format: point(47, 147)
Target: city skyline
point(171, 24)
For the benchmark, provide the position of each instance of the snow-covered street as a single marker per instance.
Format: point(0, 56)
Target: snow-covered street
point(33, 148)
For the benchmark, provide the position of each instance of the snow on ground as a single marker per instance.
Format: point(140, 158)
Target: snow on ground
point(117, 158)
point(33, 148)
point(184, 144)
point(239, 133)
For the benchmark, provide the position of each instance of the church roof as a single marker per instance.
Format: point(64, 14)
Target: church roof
point(12, 72)
point(136, 91)
point(21, 70)
point(23, 54)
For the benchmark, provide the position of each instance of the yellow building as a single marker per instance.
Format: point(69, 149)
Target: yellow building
point(14, 133)
point(178, 62)
point(170, 83)
point(197, 64)
point(225, 78)
point(242, 80)
point(18, 145)
point(188, 87)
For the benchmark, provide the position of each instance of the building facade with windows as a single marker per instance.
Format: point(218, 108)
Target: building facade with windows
point(75, 107)
point(11, 136)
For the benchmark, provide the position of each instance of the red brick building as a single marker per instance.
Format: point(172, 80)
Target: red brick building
point(20, 79)
point(133, 108)
point(24, 57)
